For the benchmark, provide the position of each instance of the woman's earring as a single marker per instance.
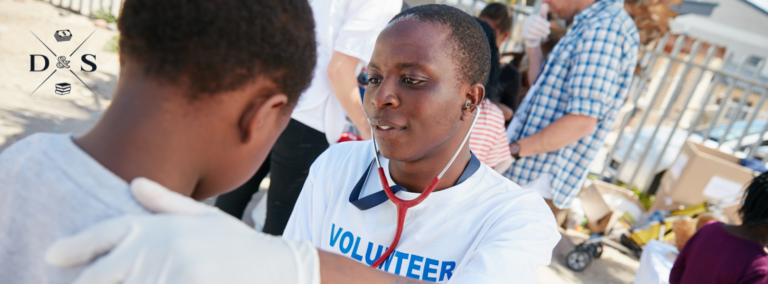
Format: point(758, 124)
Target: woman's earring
point(466, 104)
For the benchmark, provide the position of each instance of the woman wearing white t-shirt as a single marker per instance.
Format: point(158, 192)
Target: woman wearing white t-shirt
point(477, 226)
point(426, 79)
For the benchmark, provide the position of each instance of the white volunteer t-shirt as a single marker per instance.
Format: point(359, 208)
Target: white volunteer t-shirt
point(484, 230)
point(350, 27)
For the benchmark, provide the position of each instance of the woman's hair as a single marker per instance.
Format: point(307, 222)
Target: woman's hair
point(754, 210)
point(499, 13)
point(492, 87)
point(468, 46)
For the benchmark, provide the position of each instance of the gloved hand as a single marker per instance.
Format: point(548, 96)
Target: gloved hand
point(196, 243)
point(536, 27)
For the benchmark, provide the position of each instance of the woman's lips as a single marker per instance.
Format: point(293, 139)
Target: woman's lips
point(387, 128)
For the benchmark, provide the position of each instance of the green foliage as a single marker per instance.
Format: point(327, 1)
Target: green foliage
point(645, 198)
point(112, 45)
point(105, 15)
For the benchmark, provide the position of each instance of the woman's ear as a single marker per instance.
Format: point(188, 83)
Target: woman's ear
point(262, 115)
point(475, 96)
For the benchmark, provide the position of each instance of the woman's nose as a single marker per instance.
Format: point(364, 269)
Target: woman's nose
point(385, 96)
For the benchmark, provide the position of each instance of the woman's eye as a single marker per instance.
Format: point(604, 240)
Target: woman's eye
point(411, 81)
point(373, 80)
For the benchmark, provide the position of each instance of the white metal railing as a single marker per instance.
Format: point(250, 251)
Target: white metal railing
point(637, 163)
point(89, 7)
point(519, 12)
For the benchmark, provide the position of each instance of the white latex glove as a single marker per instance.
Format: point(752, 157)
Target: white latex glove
point(195, 244)
point(536, 27)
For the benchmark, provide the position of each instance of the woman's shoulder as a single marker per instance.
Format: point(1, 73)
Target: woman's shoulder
point(345, 155)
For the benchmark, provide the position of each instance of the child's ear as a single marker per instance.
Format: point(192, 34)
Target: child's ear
point(259, 116)
point(475, 96)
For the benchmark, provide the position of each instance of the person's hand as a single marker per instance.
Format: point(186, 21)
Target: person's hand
point(196, 243)
point(536, 27)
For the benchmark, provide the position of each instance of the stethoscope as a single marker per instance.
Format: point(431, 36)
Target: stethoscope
point(404, 205)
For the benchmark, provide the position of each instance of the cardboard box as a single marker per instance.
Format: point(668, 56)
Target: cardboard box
point(700, 174)
point(663, 201)
point(596, 209)
point(606, 223)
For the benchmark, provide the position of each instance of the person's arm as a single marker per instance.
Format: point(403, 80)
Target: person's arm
point(562, 132)
point(338, 269)
point(506, 111)
point(355, 39)
point(190, 242)
point(341, 72)
point(535, 60)
point(535, 28)
point(599, 68)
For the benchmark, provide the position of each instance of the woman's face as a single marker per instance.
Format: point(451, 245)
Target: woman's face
point(413, 97)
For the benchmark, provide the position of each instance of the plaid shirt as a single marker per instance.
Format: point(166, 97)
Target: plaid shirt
point(587, 73)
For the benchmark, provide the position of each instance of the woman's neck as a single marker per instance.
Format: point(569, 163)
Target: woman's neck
point(755, 234)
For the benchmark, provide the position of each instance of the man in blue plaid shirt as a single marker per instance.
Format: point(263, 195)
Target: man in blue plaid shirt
point(563, 120)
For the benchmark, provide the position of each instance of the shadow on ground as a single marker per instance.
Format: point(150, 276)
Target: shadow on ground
point(74, 116)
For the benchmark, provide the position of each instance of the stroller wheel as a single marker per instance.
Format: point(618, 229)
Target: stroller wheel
point(578, 260)
point(598, 250)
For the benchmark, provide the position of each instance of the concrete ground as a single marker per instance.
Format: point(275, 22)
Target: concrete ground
point(22, 114)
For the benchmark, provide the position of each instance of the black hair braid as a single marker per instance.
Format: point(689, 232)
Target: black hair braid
point(754, 210)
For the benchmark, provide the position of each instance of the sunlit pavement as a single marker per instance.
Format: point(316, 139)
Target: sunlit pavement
point(23, 113)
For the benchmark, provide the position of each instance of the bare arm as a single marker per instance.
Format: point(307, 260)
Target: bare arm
point(508, 112)
point(335, 268)
point(535, 59)
point(564, 131)
point(341, 72)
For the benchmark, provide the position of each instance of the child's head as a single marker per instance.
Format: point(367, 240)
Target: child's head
point(427, 63)
point(499, 16)
point(229, 72)
point(754, 210)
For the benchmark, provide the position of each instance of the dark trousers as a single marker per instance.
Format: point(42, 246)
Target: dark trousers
point(235, 202)
point(294, 152)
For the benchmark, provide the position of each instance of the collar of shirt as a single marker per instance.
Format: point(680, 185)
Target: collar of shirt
point(593, 9)
point(449, 195)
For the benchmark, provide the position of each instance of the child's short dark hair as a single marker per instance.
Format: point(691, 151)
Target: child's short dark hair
point(754, 210)
point(499, 13)
point(470, 49)
point(216, 46)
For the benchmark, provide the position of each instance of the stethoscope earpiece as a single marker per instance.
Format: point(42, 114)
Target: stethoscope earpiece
point(468, 104)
